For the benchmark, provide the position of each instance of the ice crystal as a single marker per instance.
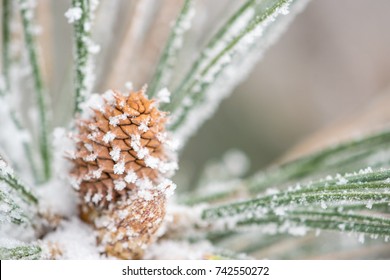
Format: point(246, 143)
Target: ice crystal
point(73, 14)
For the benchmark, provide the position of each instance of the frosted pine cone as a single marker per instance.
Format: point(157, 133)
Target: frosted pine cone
point(125, 230)
point(121, 147)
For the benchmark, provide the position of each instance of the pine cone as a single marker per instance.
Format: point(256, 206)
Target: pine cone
point(120, 148)
point(121, 169)
point(126, 229)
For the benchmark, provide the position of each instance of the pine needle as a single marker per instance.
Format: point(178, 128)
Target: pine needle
point(168, 59)
point(27, 19)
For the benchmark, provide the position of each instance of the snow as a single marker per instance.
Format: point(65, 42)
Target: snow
point(147, 195)
point(97, 197)
point(143, 127)
point(57, 197)
point(115, 120)
point(369, 204)
point(164, 96)
point(108, 137)
point(131, 177)
point(136, 142)
point(365, 171)
point(119, 168)
point(5, 169)
point(142, 153)
point(341, 180)
point(90, 157)
point(115, 153)
point(297, 230)
point(152, 162)
point(144, 184)
point(167, 187)
point(73, 14)
point(361, 238)
point(119, 185)
point(75, 239)
point(175, 250)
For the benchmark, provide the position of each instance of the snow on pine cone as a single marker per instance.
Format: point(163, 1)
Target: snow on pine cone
point(124, 231)
point(121, 147)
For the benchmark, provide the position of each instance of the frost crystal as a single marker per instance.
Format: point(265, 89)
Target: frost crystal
point(130, 177)
point(108, 137)
point(97, 197)
point(164, 95)
point(145, 194)
point(115, 153)
point(114, 121)
point(119, 168)
point(119, 185)
point(73, 14)
point(152, 162)
point(143, 127)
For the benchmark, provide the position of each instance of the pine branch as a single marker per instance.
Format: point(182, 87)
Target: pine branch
point(28, 252)
point(26, 10)
point(168, 59)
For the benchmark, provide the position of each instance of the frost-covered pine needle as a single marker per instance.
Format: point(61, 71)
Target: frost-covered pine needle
point(15, 250)
point(168, 59)
point(81, 15)
point(13, 197)
point(27, 14)
point(297, 209)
